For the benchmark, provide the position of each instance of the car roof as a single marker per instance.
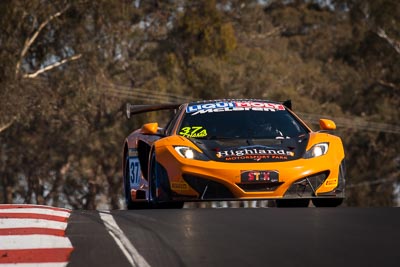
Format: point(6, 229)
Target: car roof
point(287, 103)
point(231, 100)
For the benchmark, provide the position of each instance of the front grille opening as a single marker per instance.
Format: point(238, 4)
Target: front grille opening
point(306, 187)
point(208, 189)
point(259, 187)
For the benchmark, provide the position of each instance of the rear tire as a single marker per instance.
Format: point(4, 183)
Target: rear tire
point(327, 202)
point(130, 204)
point(292, 203)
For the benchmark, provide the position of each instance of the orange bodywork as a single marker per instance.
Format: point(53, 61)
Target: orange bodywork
point(228, 174)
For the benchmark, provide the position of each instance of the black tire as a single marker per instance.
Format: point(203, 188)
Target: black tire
point(131, 205)
point(327, 202)
point(159, 182)
point(292, 203)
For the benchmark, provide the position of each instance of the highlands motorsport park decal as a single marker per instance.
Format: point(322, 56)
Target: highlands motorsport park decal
point(233, 106)
point(257, 153)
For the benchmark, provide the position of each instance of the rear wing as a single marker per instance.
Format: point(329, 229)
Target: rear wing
point(137, 109)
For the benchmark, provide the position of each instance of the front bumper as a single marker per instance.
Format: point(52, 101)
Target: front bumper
point(303, 178)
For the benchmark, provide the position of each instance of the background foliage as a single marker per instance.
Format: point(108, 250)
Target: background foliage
point(69, 67)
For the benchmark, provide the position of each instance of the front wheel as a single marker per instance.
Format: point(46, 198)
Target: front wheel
point(327, 202)
point(160, 191)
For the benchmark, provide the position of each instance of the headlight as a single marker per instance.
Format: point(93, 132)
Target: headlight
point(189, 153)
point(317, 150)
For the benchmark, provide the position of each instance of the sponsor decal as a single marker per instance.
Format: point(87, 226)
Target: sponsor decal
point(194, 131)
point(134, 172)
point(331, 182)
point(259, 176)
point(233, 106)
point(256, 153)
point(180, 186)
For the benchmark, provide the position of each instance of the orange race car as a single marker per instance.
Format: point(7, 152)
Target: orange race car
point(242, 149)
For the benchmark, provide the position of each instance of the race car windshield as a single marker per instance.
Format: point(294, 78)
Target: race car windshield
point(249, 124)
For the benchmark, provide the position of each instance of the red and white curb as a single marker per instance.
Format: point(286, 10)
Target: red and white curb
point(33, 235)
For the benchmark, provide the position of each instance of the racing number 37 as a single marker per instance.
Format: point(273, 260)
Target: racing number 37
point(134, 171)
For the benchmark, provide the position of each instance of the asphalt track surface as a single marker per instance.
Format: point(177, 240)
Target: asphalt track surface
point(240, 237)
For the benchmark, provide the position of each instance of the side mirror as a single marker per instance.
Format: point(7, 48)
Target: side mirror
point(325, 124)
point(150, 128)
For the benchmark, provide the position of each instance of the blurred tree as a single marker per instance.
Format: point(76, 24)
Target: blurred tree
point(69, 67)
point(355, 45)
point(202, 31)
point(58, 103)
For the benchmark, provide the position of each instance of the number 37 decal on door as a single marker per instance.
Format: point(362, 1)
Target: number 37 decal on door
point(134, 172)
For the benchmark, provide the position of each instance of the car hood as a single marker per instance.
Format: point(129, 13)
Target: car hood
point(253, 150)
